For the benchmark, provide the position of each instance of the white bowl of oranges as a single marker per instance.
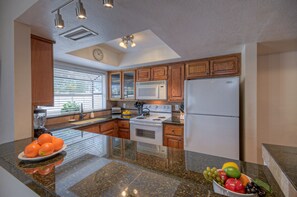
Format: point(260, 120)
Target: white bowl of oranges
point(44, 147)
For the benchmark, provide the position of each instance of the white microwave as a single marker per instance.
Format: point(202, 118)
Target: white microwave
point(151, 90)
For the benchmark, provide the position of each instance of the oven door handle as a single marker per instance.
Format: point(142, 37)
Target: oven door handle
point(145, 124)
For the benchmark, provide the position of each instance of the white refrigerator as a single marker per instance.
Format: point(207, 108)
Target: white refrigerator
point(212, 116)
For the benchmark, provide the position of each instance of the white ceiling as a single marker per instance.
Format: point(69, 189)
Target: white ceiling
point(192, 28)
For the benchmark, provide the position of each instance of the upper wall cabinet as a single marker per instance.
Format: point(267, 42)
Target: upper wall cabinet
point(42, 70)
point(128, 85)
point(122, 85)
point(143, 74)
point(159, 73)
point(197, 69)
point(228, 65)
point(152, 74)
point(115, 84)
point(176, 76)
point(225, 66)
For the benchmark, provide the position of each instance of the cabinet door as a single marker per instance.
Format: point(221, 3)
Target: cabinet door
point(197, 69)
point(176, 77)
point(115, 92)
point(128, 85)
point(173, 141)
point(159, 73)
point(107, 126)
point(92, 128)
point(225, 66)
point(143, 74)
point(109, 133)
point(42, 71)
point(124, 124)
point(124, 133)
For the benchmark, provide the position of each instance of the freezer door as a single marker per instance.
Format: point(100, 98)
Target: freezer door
point(213, 135)
point(218, 96)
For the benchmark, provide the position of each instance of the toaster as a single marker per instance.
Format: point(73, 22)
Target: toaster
point(116, 110)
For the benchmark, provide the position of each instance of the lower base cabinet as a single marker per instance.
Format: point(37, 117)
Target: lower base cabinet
point(114, 128)
point(173, 136)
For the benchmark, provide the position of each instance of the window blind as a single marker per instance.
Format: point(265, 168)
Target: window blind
point(73, 87)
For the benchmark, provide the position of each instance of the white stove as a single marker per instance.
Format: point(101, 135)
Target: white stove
point(149, 129)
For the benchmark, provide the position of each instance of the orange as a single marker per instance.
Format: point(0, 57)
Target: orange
point(58, 143)
point(31, 150)
point(44, 138)
point(244, 179)
point(34, 142)
point(46, 149)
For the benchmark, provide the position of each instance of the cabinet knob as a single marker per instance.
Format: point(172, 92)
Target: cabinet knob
point(172, 130)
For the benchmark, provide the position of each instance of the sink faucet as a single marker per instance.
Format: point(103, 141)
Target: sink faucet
point(81, 114)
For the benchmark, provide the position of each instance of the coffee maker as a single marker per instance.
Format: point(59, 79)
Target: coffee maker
point(39, 122)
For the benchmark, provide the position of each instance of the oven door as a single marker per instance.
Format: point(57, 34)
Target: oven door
point(146, 132)
point(147, 92)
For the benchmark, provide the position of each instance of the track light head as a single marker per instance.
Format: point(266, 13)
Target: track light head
point(80, 10)
point(108, 3)
point(59, 22)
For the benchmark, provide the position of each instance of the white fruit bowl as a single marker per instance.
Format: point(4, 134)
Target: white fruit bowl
point(223, 191)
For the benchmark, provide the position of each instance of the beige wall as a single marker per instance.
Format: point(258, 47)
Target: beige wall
point(22, 82)
point(248, 110)
point(9, 11)
point(277, 99)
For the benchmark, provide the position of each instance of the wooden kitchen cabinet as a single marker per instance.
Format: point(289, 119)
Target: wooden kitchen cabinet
point(176, 77)
point(124, 129)
point(197, 69)
point(91, 128)
point(159, 73)
point(173, 136)
point(128, 85)
point(143, 74)
point(225, 66)
point(109, 128)
point(115, 86)
point(42, 71)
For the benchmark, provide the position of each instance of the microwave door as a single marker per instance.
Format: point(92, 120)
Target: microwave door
point(147, 92)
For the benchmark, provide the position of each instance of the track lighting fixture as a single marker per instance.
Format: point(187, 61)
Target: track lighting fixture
point(126, 41)
point(80, 10)
point(59, 22)
point(108, 3)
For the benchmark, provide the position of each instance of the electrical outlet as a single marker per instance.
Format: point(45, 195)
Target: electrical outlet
point(176, 107)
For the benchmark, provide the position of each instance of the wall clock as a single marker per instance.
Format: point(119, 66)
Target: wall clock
point(98, 54)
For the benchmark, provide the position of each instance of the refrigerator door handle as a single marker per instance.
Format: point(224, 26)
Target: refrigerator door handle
point(185, 97)
point(186, 133)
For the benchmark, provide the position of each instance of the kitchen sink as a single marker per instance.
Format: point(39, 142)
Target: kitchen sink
point(87, 121)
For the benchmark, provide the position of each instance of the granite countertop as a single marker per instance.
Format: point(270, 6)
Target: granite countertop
point(286, 158)
point(70, 125)
point(98, 165)
point(174, 120)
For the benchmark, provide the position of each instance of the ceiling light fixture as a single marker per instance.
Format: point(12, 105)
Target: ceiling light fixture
point(59, 22)
point(108, 3)
point(80, 10)
point(126, 41)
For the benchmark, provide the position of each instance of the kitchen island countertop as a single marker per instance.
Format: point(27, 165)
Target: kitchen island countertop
point(98, 165)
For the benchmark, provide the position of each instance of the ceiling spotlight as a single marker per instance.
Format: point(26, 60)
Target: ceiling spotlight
point(127, 41)
point(59, 23)
point(108, 3)
point(80, 10)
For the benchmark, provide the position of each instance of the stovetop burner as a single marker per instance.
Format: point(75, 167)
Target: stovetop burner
point(156, 119)
point(140, 117)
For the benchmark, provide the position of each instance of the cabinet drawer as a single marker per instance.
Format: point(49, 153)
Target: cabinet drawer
point(124, 124)
point(174, 142)
point(107, 126)
point(109, 132)
point(91, 128)
point(173, 130)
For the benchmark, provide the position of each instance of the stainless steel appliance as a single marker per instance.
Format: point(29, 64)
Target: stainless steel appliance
point(151, 90)
point(39, 120)
point(212, 116)
point(116, 110)
point(149, 129)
